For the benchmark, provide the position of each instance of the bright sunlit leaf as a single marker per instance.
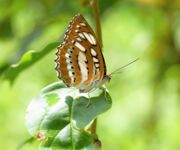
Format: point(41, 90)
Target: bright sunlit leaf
point(57, 117)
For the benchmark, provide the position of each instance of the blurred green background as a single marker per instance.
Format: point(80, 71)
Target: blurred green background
point(146, 96)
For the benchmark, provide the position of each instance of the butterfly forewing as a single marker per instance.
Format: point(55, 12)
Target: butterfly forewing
point(79, 60)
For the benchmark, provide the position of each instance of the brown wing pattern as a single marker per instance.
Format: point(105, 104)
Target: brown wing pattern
point(79, 58)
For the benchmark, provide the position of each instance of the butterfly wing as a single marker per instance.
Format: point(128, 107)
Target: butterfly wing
point(80, 62)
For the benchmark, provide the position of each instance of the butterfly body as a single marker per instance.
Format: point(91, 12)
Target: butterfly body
point(80, 62)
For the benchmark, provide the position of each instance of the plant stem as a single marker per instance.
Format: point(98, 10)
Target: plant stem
point(95, 7)
point(93, 128)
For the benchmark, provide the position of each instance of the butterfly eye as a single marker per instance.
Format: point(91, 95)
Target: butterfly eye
point(107, 77)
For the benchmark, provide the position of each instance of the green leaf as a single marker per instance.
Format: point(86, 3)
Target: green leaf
point(27, 60)
point(70, 139)
point(100, 102)
point(58, 116)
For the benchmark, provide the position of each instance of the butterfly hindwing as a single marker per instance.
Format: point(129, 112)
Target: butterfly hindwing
point(80, 62)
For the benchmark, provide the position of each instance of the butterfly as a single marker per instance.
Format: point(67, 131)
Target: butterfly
point(80, 62)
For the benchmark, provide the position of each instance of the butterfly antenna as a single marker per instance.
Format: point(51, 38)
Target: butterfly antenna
point(118, 70)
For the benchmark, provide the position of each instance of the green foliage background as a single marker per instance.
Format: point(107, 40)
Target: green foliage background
point(146, 97)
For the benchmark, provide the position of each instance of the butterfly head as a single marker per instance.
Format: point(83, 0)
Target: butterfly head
point(107, 78)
